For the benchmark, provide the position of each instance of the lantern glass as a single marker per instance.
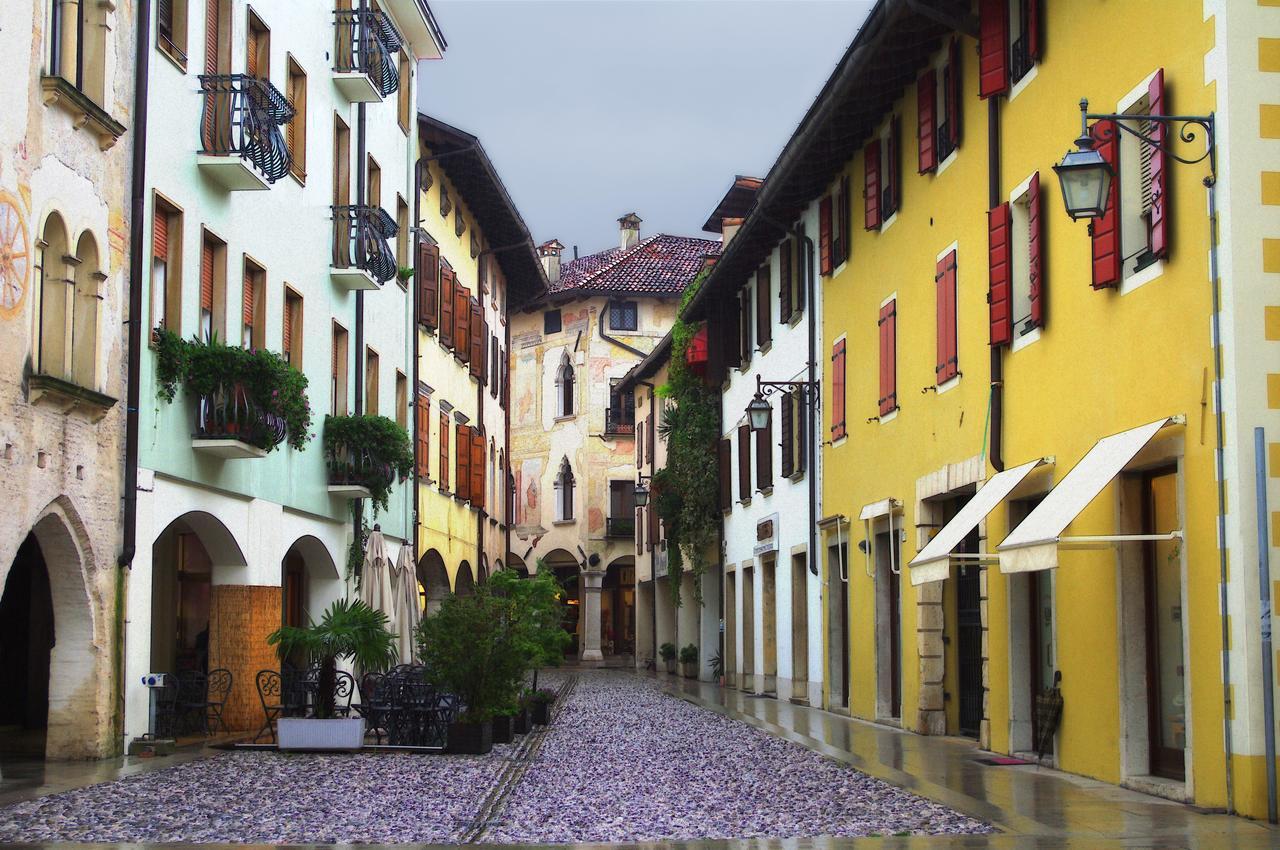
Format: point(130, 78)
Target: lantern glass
point(642, 495)
point(1085, 178)
point(758, 412)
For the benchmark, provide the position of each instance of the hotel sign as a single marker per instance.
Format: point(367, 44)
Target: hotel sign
point(767, 535)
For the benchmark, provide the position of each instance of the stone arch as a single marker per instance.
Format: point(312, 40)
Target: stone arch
point(433, 581)
point(568, 570)
point(53, 274)
point(309, 579)
point(464, 581)
point(87, 293)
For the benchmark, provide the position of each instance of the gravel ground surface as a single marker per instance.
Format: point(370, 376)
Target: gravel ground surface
point(625, 762)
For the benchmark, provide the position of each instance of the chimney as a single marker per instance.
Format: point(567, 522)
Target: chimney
point(629, 231)
point(549, 255)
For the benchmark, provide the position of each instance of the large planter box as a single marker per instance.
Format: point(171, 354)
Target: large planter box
point(503, 729)
point(541, 713)
point(301, 733)
point(471, 738)
point(521, 723)
point(690, 669)
point(671, 664)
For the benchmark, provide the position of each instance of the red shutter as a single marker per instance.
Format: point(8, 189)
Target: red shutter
point(475, 340)
point(764, 308)
point(212, 35)
point(444, 451)
point(428, 286)
point(160, 234)
point(462, 462)
point(744, 462)
point(784, 281)
point(724, 457)
point(993, 47)
point(1035, 264)
point(477, 468)
point(952, 93)
point(893, 153)
point(461, 324)
point(764, 455)
point(1105, 229)
point(837, 390)
point(927, 120)
point(888, 359)
point(824, 235)
point(871, 187)
point(422, 428)
point(999, 292)
point(1035, 44)
point(845, 214)
point(1158, 238)
point(945, 282)
point(446, 308)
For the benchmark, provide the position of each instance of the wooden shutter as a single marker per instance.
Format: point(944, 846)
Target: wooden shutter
point(446, 307)
point(1000, 284)
point(652, 516)
point(888, 358)
point(653, 438)
point(993, 47)
point(724, 454)
point(160, 234)
point(638, 531)
point(251, 60)
point(800, 280)
point(444, 451)
point(784, 281)
point(1105, 229)
point(744, 462)
point(951, 94)
point(287, 335)
point(945, 285)
point(1035, 39)
point(838, 390)
point(475, 346)
point(824, 235)
point(731, 323)
point(764, 308)
point(428, 272)
point(462, 324)
point(164, 19)
point(927, 119)
point(1158, 221)
point(639, 445)
point(787, 415)
point(845, 216)
point(746, 319)
point(871, 185)
point(764, 455)
point(206, 279)
point(212, 35)
point(477, 468)
point(893, 155)
point(800, 419)
point(422, 428)
point(1035, 251)
point(248, 301)
point(462, 462)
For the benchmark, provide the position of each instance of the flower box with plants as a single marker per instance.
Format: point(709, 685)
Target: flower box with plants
point(540, 703)
point(365, 455)
point(689, 661)
point(668, 653)
point(247, 401)
point(348, 630)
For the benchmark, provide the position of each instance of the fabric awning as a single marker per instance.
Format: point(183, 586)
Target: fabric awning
point(875, 510)
point(933, 562)
point(1033, 545)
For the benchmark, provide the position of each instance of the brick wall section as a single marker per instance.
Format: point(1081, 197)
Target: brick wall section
point(240, 618)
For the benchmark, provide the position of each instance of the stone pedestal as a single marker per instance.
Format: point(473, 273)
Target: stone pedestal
point(592, 582)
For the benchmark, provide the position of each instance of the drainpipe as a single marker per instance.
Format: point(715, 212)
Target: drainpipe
point(1264, 605)
point(508, 485)
point(362, 158)
point(480, 513)
point(615, 341)
point(996, 412)
point(413, 333)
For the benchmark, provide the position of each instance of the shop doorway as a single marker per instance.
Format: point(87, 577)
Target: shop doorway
point(618, 608)
point(568, 576)
point(799, 630)
point(26, 646)
point(838, 624)
point(769, 624)
point(731, 629)
point(1032, 653)
point(962, 598)
point(748, 629)
point(1162, 596)
point(888, 625)
point(180, 596)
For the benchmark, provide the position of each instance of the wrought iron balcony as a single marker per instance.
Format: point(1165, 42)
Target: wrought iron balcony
point(360, 235)
point(366, 44)
point(620, 526)
point(355, 471)
point(230, 424)
point(619, 422)
point(240, 123)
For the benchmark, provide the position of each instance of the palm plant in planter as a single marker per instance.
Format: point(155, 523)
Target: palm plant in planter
point(368, 451)
point(668, 653)
point(689, 661)
point(348, 630)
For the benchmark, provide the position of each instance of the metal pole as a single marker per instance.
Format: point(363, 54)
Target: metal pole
point(1264, 605)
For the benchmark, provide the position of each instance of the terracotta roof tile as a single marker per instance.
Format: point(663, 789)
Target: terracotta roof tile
point(659, 265)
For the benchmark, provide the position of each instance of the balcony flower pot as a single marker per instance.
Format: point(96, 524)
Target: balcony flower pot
point(522, 722)
point(503, 728)
point(305, 733)
point(471, 738)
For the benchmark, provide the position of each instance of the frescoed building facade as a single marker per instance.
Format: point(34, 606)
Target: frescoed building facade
point(65, 145)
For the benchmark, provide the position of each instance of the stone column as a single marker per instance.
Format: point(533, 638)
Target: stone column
point(590, 602)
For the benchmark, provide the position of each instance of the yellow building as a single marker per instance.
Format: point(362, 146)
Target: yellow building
point(978, 341)
point(475, 263)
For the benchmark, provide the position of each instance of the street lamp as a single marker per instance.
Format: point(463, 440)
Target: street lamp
point(758, 413)
point(642, 494)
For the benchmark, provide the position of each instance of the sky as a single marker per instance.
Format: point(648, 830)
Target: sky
point(590, 109)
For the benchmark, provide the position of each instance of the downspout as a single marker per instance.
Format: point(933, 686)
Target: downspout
point(413, 332)
point(362, 156)
point(480, 512)
point(615, 341)
point(508, 482)
point(133, 392)
point(996, 405)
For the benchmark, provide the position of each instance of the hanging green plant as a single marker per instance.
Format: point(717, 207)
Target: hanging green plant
point(264, 396)
point(687, 490)
point(370, 451)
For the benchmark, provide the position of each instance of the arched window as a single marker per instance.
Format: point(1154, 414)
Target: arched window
point(564, 492)
point(491, 476)
point(55, 299)
point(564, 387)
point(84, 313)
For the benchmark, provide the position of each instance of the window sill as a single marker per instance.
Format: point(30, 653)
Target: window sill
point(949, 384)
point(570, 521)
point(300, 179)
point(566, 418)
point(1022, 340)
point(796, 318)
point(946, 162)
point(797, 477)
point(83, 111)
point(66, 396)
point(1141, 277)
point(1016, 88)
point(889, 417)
point(888, 221)
point(765, 348)
point(766, 491)
point(173, 55)
point(746, 503)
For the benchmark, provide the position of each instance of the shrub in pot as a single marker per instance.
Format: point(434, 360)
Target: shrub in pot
point(668, 653)
point(349, 630)
point(521, 721)
point(689, 661)
point(716, 665)
point(540, 707)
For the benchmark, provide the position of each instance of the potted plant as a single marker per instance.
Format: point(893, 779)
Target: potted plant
point(689, 661)
point(348, 630)
point(716, 665)
point(540, 706)
point(504, 726)
point(369, 451)
point(668, 653)
point(521, 720)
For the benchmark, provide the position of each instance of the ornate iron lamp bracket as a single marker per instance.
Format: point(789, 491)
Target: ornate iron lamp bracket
point(808, 390)
point(1183, 124)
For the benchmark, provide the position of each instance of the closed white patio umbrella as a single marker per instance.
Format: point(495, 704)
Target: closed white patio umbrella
point(375, 578)
point(404, 592)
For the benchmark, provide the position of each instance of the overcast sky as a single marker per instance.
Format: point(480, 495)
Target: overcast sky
point(590, 109)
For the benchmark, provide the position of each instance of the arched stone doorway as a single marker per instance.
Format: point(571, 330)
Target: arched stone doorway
point(308, 582)
point(567, 573)
point(49, 669)
point(464, 583)
point(618, 608)
point(433, 581)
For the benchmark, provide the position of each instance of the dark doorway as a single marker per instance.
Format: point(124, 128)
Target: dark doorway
point(618, 610)
point(295, 589)
point(1166, 685)
point(967, 629)
point(26, 639)
point(567, 576)
point(889, 624)
point(180, 587)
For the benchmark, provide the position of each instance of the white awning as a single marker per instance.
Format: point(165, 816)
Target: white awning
point(933, 562)
point(875, 510)
point(1033, 545)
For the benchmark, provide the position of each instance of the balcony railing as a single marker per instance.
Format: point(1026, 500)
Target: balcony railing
point(351, 466)
point(360, 235)
point(242, 117)
point(619, 422)
point(367, 43)
point(620, 526)
point(228, 413)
